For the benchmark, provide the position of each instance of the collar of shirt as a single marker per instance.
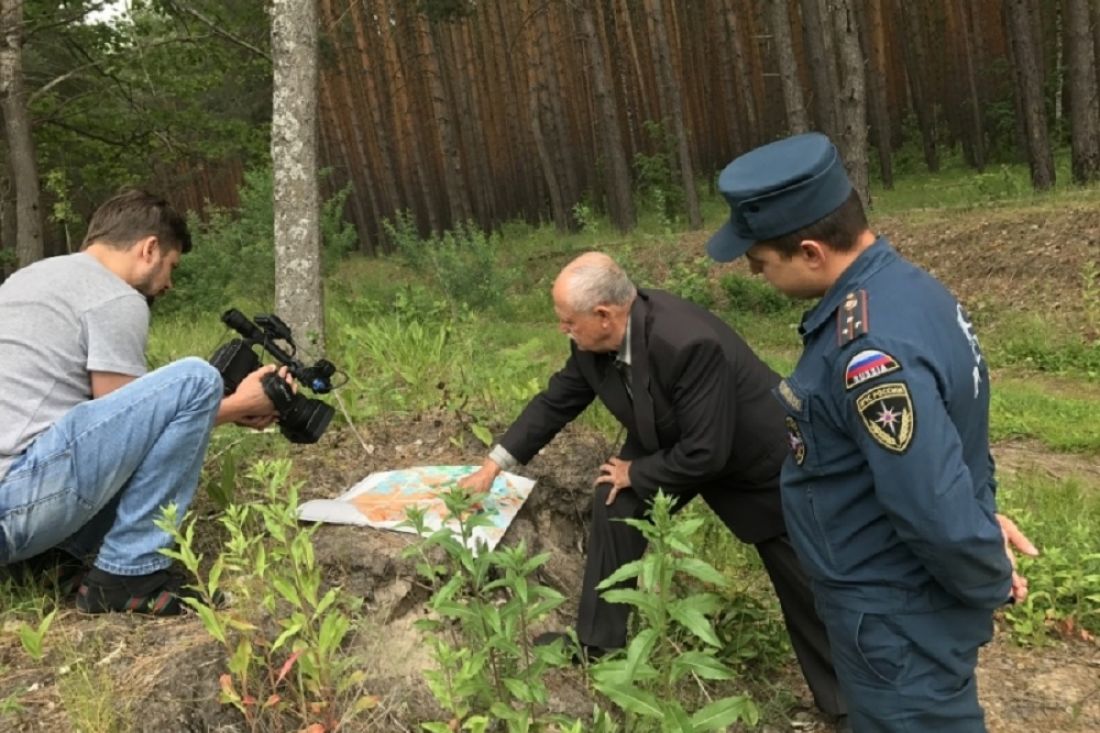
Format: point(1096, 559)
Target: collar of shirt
point(623, 355)
point(869, 261)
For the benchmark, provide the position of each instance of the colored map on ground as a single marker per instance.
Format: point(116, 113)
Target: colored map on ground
point(382, 499)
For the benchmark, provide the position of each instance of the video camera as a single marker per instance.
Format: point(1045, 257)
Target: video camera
point(301, 419)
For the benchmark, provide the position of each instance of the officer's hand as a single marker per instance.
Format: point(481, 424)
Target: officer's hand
point(617, 473)
point(480, 481)
point(1014, 538)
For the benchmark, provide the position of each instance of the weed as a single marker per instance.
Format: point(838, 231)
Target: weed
point(692, 281)
point(586, 218)
point(753, 295)
point(285, 635)
point(676, 641)
point(484, 606)
point(1062, 517)
point(31, 637)
point(91, 699)
point(461, 262)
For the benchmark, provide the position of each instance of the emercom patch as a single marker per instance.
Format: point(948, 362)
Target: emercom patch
point(887, 412)
point(794, 439)
point(867, 365)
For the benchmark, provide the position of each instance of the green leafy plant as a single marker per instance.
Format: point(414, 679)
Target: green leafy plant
point(483, 608)
point(692, 281)
point(675, 641)
point(586, 218)
point(31, 637)
point(284, 634)
point(753, 295)
point(463, 262)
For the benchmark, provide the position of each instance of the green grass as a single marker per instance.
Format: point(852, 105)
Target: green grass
point(1061, 515)
point(1029, 408)
point(957, 186)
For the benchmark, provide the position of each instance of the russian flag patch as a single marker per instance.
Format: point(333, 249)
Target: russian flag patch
point(868, 364)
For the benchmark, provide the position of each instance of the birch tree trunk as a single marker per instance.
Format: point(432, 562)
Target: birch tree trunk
point(17, 132)
point(299, 298)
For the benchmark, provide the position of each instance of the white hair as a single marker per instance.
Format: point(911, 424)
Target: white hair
point(599, 282)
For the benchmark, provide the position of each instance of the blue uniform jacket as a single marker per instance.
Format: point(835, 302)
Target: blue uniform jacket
point(888, 492)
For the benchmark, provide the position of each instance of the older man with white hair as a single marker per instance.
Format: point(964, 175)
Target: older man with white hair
point(700, 419)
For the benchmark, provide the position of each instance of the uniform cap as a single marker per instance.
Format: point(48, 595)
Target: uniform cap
point(777, 189)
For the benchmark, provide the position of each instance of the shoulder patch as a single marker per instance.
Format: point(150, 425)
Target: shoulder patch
point(868, 364)
point(795, 441)
point(886, 410)
point(852, 318)
point(787, 394)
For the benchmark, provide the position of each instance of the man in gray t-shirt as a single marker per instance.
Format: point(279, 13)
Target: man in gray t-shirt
point(91, 446)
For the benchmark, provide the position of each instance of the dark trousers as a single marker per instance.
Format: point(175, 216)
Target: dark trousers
point(910, 672)
point(613, 544)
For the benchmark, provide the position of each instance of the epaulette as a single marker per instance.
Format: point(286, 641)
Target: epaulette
point(852, 319)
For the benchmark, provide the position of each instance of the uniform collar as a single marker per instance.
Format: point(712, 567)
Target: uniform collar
point(869, 261)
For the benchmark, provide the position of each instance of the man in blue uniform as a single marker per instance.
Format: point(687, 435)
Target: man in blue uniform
point(888, 492)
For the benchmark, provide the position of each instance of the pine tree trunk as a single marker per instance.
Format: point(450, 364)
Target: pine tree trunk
point(299, 298)
point(458, 201)
point(620, 201)
point(673, 108)
point(1096, 35)
point(915, 68)
point(1084, 104)
point(853, 97)
point(8, 225)
point(379, 123)
point(824, 91)
point(17, 130)
point(340, 155)
point(780, 22)
point(536, 91)
point(974, 102)
point(404, 97)
point(875, 45)
point(741, 71)
point(1030, 92)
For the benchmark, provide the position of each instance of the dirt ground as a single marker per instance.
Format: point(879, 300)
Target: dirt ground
point(165, 672)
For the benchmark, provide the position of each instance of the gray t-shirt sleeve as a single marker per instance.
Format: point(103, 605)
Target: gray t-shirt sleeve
point(116, 332)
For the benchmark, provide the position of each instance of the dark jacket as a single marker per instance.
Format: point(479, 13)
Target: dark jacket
point(702, 418)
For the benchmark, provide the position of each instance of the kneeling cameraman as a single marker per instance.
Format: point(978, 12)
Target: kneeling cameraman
point(91, 446)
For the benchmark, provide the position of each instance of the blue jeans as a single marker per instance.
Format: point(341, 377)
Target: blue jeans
point(100, 476)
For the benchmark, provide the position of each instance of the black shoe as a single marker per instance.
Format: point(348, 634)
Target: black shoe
point(52, 568)
point(587, 653)
point(157, 594)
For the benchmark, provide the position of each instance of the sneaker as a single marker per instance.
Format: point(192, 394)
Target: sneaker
point(586, 654)
point(157, 594)
point(53, 568)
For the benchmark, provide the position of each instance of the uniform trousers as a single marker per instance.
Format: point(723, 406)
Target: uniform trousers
point(909, 672)
point(613, 543)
